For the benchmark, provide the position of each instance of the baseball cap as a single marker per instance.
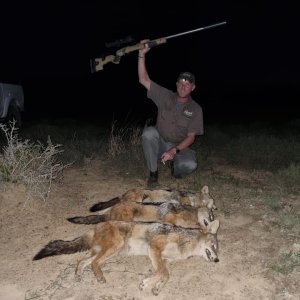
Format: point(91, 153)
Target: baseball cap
point(187, 76)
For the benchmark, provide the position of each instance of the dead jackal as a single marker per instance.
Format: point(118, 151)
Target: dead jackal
point(170, 207)
point(156, 240)
point(200, 199)
point(171, 212)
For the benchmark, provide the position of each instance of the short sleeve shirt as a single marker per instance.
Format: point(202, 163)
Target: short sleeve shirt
point(175, 120)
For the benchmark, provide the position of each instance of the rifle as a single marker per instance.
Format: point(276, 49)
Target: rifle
point(97, 64)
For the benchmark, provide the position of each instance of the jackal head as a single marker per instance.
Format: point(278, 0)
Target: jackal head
point(204, 199)
point(205, 217)
point(209, 243)
point(201, 199)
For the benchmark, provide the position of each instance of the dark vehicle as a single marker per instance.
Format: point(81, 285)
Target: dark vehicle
point(11, 103)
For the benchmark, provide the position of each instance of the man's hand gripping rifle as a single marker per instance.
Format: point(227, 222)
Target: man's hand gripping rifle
point(98, 63)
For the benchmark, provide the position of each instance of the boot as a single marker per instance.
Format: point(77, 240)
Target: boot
point(153, 180)
point(177, 176)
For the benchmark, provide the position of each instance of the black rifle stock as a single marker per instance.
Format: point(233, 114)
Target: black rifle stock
point(98, 63)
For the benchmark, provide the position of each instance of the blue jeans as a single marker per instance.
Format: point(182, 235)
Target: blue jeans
point(154, 146)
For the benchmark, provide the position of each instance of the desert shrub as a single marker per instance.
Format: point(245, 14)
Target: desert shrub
point(33, 164)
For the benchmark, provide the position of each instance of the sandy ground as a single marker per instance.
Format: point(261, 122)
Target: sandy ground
point(250, 240)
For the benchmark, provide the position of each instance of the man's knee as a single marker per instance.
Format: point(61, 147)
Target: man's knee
point(191, 166)
point(187, 166)
point(149, 133)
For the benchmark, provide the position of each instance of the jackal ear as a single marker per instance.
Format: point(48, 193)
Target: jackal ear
point(210, 204)
point(205, 190)
point(213, 227)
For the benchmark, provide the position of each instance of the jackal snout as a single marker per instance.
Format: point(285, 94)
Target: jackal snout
point(211, 256)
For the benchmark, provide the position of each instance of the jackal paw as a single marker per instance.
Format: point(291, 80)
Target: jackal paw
point(155, 291)
point(101, 279)
point(78, 277)
point(158, 286)
point(144, 284)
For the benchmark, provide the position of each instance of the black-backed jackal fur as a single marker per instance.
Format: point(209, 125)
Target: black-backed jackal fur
point(197, 199)
point(171, 212)
point(158, 207)
point(156, 240)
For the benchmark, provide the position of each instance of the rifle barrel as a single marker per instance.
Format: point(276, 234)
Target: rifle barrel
point(194, 30)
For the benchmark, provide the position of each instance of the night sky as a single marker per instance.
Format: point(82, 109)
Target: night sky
point(247, 69)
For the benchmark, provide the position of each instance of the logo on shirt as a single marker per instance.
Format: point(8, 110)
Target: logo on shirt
point(188, 113)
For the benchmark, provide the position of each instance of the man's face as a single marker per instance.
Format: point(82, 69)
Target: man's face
point(184, 87)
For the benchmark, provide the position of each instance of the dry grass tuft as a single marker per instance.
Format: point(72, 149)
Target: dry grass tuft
point(123, 138)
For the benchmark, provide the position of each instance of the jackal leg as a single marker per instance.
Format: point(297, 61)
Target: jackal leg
point(161, 275)
point(106, 252)
point(81, 265)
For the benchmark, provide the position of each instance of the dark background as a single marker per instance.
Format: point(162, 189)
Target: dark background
point(246, 70)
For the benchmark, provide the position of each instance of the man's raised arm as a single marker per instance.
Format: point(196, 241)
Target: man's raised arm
point(142, 70)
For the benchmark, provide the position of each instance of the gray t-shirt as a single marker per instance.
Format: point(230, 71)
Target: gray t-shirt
point(175, 120)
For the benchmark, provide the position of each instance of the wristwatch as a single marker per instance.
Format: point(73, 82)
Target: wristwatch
point(177, 150)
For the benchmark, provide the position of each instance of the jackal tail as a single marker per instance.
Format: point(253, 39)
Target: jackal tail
point(92, 219)
point(59, 247)
point(104, 205)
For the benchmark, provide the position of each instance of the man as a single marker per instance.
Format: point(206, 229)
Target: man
point(179, 121)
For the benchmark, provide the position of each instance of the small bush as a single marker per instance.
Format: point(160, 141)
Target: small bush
point(33, 164)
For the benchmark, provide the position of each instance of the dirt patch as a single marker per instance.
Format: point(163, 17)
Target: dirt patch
point(251, 243)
